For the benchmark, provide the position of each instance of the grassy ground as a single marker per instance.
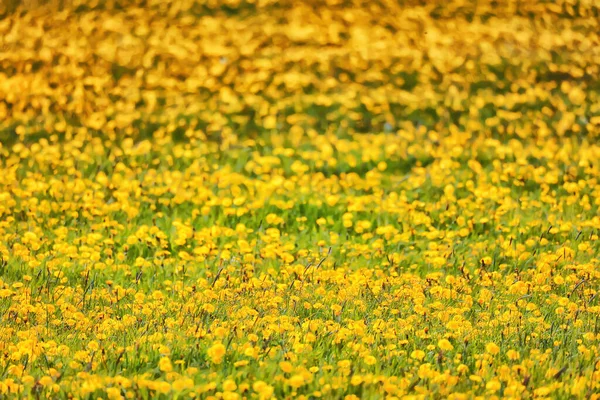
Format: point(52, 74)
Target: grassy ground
point(280, 199)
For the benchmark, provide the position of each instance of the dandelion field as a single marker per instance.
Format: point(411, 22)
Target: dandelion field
point(274, 199)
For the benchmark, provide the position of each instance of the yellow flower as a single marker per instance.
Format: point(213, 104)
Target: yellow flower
point(492, 348)
point(286, 366)
point(356, 380)
point(183, 384)
point(165, 364)
point(513, 355)
point(163, 387)
point(296, 381)
point(264, 390)
point(493, 386)
point(418, 354)
point(370, 360)
point(216, 352)
point(445, 345)
point(46, 381)
point(229, 385)
point(113, 393)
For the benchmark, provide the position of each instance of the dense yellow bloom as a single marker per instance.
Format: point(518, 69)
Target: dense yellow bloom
point(287, 199)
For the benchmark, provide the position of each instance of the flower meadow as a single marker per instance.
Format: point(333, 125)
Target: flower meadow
point(255, 199)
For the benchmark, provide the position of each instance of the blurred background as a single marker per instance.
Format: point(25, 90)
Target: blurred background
point(228, 70)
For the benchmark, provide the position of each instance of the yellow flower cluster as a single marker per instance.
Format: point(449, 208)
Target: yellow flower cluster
point(276, 199)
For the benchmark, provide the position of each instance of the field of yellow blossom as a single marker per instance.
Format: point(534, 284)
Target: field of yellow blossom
point(337, 199)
